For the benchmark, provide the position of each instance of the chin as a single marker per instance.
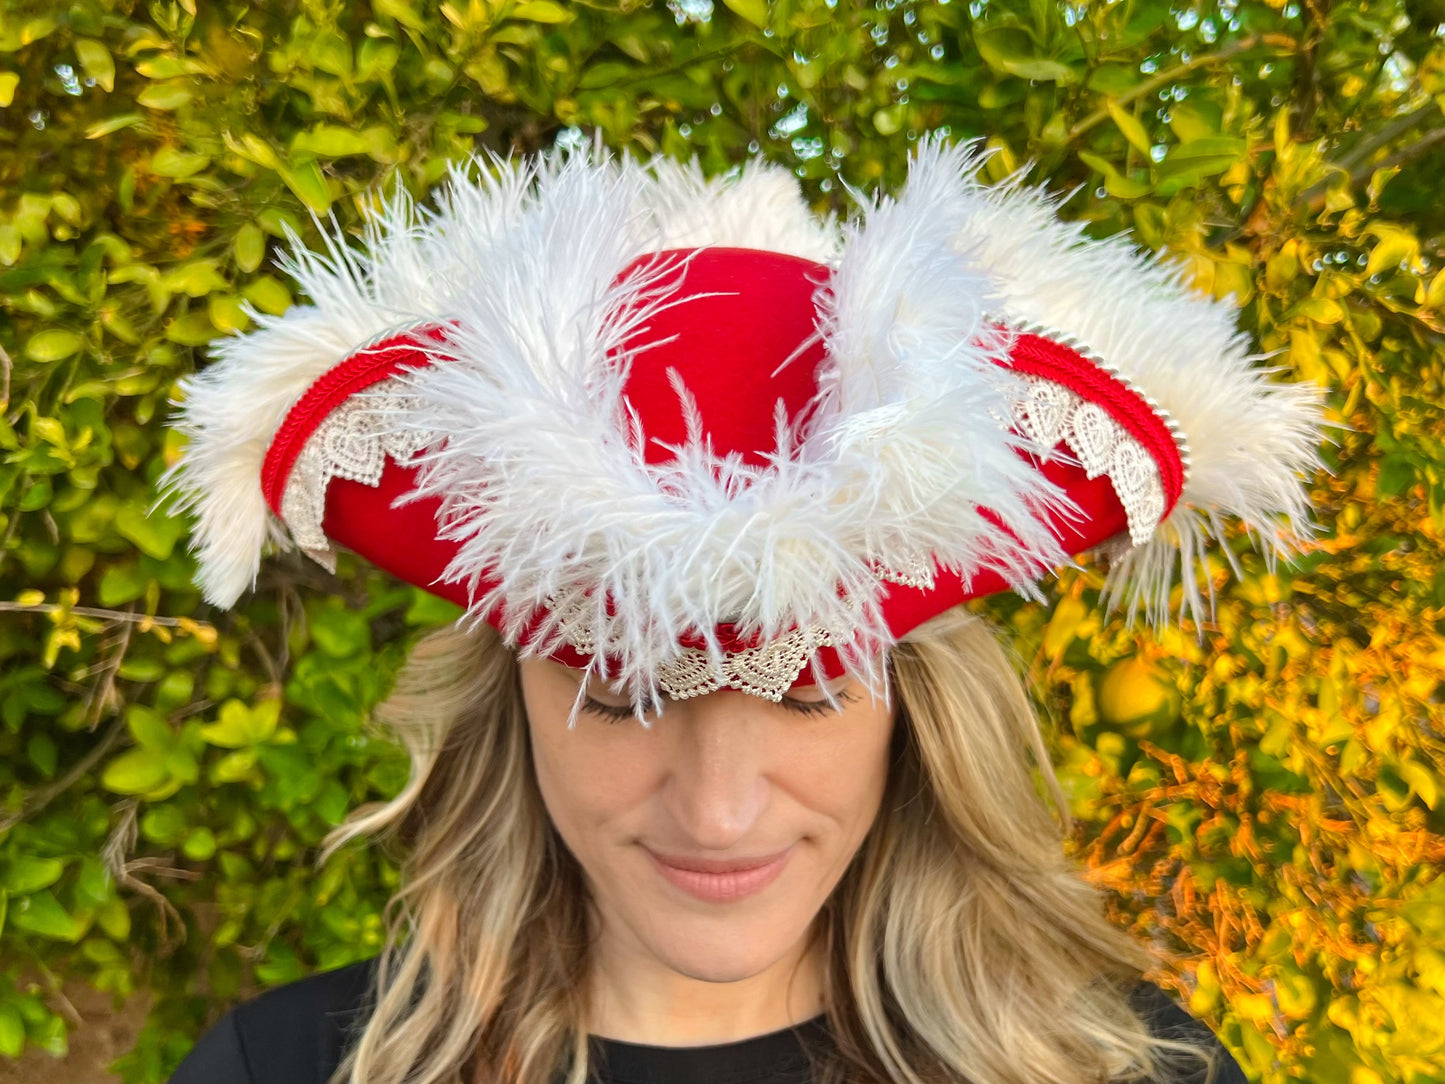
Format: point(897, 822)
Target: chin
point(728, 946)
point(729, 956)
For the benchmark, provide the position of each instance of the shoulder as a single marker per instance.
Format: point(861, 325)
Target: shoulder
point(1166, 1019)
point(294, 1034)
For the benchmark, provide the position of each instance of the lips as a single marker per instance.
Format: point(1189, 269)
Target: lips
point(718, 880)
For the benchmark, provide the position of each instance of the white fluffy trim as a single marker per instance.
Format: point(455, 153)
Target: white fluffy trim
point(413, 268)
point(1251, 438)
point(542, 488)
point(548, 497)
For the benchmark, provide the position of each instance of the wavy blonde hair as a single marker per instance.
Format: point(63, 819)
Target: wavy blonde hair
point(959, 945)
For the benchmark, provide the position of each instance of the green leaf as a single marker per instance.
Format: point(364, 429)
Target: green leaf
point(309, 185)
point(1323, 310)
point(226, 313)
point(331, 141)
point(148, 728)
point(234, 767)
point(402, 12)
point(267, 294)
point(754, 11)
point(164, 96)
point(195, 278)
point(155, 534)
point(338, 632)
point(177, 164)
point(1115, 182)
point(43, 753)
point(94, 882)
point(135, 771)
point(250, 247)
point(193, 328)
point(27, 873)
point(376, 57)
point(1421, 780)
point(426, 608)
point(42, 915)
point(114, 918)
point(200, 845)
point(10, 244)
point(164, 824)
point(1397, 474)
point(1200, 158)
point(122, 583)
point(238, 726)
point(887, 122)
point(1393, 247)
point(12, 1031)
point(1011, 51)
point(95, 61)
point(52, 345)
point(1130, 125)
point(547, 11)
point(67, 208)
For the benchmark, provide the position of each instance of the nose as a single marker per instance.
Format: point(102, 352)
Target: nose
point(717, 788)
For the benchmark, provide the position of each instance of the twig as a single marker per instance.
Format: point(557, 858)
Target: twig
point(39, 798)
point(1281, 42)
point(103, 690)
point(1368, 145)
point(103, 615)
point(6, 367)
point(121, 839)
point(1315, 197)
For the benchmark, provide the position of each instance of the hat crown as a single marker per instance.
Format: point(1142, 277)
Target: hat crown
point(731, 318)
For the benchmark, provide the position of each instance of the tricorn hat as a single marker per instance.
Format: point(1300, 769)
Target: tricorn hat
point(687, 434)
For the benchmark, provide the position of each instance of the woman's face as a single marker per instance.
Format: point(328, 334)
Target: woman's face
point(788, 790)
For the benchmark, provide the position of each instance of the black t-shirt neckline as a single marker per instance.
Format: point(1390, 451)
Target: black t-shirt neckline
point(778, 1055)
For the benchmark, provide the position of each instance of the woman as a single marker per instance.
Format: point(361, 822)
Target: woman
point(719, 782)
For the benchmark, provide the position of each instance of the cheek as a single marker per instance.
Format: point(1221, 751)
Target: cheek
point(590, 787)
point(844, 770)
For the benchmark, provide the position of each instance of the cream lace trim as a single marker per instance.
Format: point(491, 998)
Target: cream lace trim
point(1099, 444)
point(767, 670)
point(1052, 413)
point(348, 444)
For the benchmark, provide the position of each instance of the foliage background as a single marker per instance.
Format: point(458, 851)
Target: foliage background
point(1262, 804)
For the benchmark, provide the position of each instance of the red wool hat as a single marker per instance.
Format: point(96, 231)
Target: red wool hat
point(684, 434)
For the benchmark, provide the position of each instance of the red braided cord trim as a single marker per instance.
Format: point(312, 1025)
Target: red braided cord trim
point(1035, 355)
point(355, 373)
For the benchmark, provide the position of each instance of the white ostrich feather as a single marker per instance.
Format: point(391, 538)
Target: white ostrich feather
point(1251, 438)
point(550, 502)
point(410, 270)
point(636, 556)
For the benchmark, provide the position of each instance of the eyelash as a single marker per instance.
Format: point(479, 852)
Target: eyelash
point(615, 713)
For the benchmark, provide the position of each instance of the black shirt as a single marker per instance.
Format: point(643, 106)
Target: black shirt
point(297, 1033)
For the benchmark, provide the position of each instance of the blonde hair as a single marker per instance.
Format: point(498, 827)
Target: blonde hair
point(959, 945)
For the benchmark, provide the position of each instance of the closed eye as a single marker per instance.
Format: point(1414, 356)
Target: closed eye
point(816, 707)
point(618, 712)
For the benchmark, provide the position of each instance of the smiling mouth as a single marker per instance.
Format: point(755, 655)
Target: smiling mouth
point(720, 881)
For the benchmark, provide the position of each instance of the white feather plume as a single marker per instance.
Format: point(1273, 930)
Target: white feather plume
point(636, 556)
point(908, 441)
point(1251, 438)
point(409, 270)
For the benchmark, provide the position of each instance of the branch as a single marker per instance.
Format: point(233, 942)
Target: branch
point(143, 620)
point(38, 799)
point(1280, 42)
point(1314, 198)
point(103, 691)
point(1359, 154)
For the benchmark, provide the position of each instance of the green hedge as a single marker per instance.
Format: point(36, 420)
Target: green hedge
point(1263, 806)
